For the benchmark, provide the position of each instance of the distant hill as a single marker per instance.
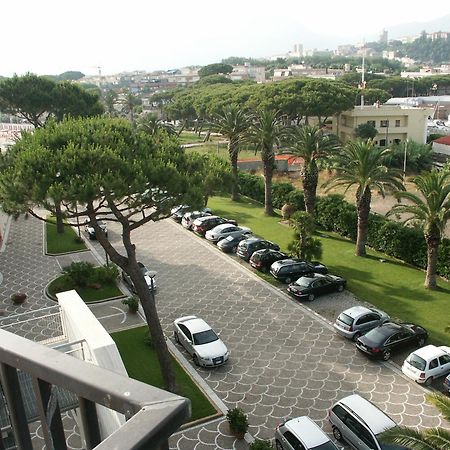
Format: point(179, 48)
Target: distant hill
point(415, 28)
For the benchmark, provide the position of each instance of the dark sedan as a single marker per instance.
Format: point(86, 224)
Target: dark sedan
point(247, 247)
point(390, 337)
point(315, 284)
point(288, 270)
point(230, 243)
point(263, 259)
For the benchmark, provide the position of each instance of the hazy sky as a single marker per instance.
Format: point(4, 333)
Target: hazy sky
point(52, 36)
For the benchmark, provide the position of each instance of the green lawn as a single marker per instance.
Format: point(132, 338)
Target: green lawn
point(391, 285)
point(88, 294)
point(62, 243)
point(141, 363)
point(222, 151)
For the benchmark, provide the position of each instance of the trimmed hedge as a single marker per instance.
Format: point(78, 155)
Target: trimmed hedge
point(334, 213)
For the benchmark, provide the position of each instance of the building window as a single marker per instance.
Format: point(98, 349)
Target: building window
point(397, 123)
point(371, 122)
point(384, 123)
point(397, 141)
point(382, 142)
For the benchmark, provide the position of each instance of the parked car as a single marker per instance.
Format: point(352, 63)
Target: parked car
point(447, 384)
point(263, 259)
point(359, 422)
point(148, 275)
point(204, 224)
point(226, 229)
point(179, 211)
point(247, 247)
point(301, 433)
point(288, 270)
point(427, 363)
point(230, 243)
point(357, 320)
point(391, 337)
point(200, 341)
point(90, 229)
point(189, 217)
point(311, 286)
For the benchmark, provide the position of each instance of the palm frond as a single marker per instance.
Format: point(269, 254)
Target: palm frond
point(442, 402)
point(407, 437)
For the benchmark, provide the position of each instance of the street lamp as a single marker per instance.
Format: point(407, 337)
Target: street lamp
point(404, 160)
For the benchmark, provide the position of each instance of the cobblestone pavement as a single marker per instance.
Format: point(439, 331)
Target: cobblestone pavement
point(285, 360)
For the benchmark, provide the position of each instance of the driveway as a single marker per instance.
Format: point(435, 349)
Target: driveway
point(285, 360)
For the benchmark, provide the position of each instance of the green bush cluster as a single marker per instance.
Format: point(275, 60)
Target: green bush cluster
point(334, 213)
point(83, 273)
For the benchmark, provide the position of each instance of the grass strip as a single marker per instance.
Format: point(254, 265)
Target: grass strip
point(66, 242)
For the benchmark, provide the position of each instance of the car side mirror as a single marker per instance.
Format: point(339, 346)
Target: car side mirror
point(189, 341)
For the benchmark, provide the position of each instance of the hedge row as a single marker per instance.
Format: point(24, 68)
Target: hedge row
point(333, 213)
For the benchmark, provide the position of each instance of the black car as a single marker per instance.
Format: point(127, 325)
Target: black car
point(288, 270)
point(203, 224)
point(390, 337)
point(263, 259)
point(311, 286)
point(179, 211)
point(247, 247)
point(149, 277)
point(230, 243)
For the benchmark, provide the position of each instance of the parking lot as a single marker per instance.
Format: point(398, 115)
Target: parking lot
point(285, 359)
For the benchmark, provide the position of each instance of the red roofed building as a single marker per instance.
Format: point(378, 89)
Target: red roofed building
point(441, 150)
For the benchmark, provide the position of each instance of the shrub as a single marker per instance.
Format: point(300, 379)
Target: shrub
point(280, 194)
point(81, 273)
point(260, 445)
point(251, 186)
point(106, 274)
point(297, 199)
point(238, 421)
point(132, 303)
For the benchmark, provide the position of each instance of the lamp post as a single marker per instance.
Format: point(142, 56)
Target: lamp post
point(151, 274)
point(404, 161)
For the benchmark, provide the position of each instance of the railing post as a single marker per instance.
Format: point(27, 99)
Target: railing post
point(50, 415)
point(89, 419)
point(11, 388)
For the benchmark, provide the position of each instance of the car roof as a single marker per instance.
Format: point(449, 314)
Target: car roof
point(373, 417)
point(206, 218)
point(431, 351)
point(223, 226)
point(307, 430)
point(194, 324)
point(356, 311)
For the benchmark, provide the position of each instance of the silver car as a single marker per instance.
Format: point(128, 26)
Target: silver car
point(225, 230)
point(359, 422)
point(200, 340)
point(356, 321)
point(301, 433)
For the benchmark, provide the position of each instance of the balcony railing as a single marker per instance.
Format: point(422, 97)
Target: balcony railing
point(152, 414)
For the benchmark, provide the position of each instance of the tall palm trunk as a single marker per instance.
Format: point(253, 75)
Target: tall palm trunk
point(363, 209)
point(432, 257)
point(268, 162)
point(310, 181)
point(233, 151)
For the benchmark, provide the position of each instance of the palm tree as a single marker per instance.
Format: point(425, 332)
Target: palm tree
point(110, 102)
point(129, 102)
point(431, 210)
point(151, 125)
point(266, 131)
point(232, 123)
point(311, 144)
point(430, 439)
point(360, 164)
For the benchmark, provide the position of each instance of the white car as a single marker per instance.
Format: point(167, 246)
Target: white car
point(90, 229)
point(200, 340)
point(188, 219)
point(149, 277)
point(427, 363)
point(225, 230)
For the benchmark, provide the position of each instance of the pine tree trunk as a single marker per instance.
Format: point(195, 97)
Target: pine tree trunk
point(310, 181)
point(432, 256)
point(363, 209)
point(268, 162)
point(59, 218)
point(233, 152)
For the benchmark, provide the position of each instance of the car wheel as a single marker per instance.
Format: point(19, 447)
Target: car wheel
point(278, 445)
point(386, 355)
point(340, 288)
point(337, 434)
point(177, 339)
point(196, 361)
point(421, 341)
point(356, 336)
point(311, 297)
point(288, 280)
point(429, 381)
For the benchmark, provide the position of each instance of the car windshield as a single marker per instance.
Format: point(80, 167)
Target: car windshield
point(229, 238)
point(417, 362)
point(205, 337)
point(345, 319)
point(304, 282)
point(326, 446)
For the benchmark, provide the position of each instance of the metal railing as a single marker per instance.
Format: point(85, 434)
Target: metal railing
point(153, 414)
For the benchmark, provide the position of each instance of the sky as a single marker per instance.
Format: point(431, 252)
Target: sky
point(53, 36)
